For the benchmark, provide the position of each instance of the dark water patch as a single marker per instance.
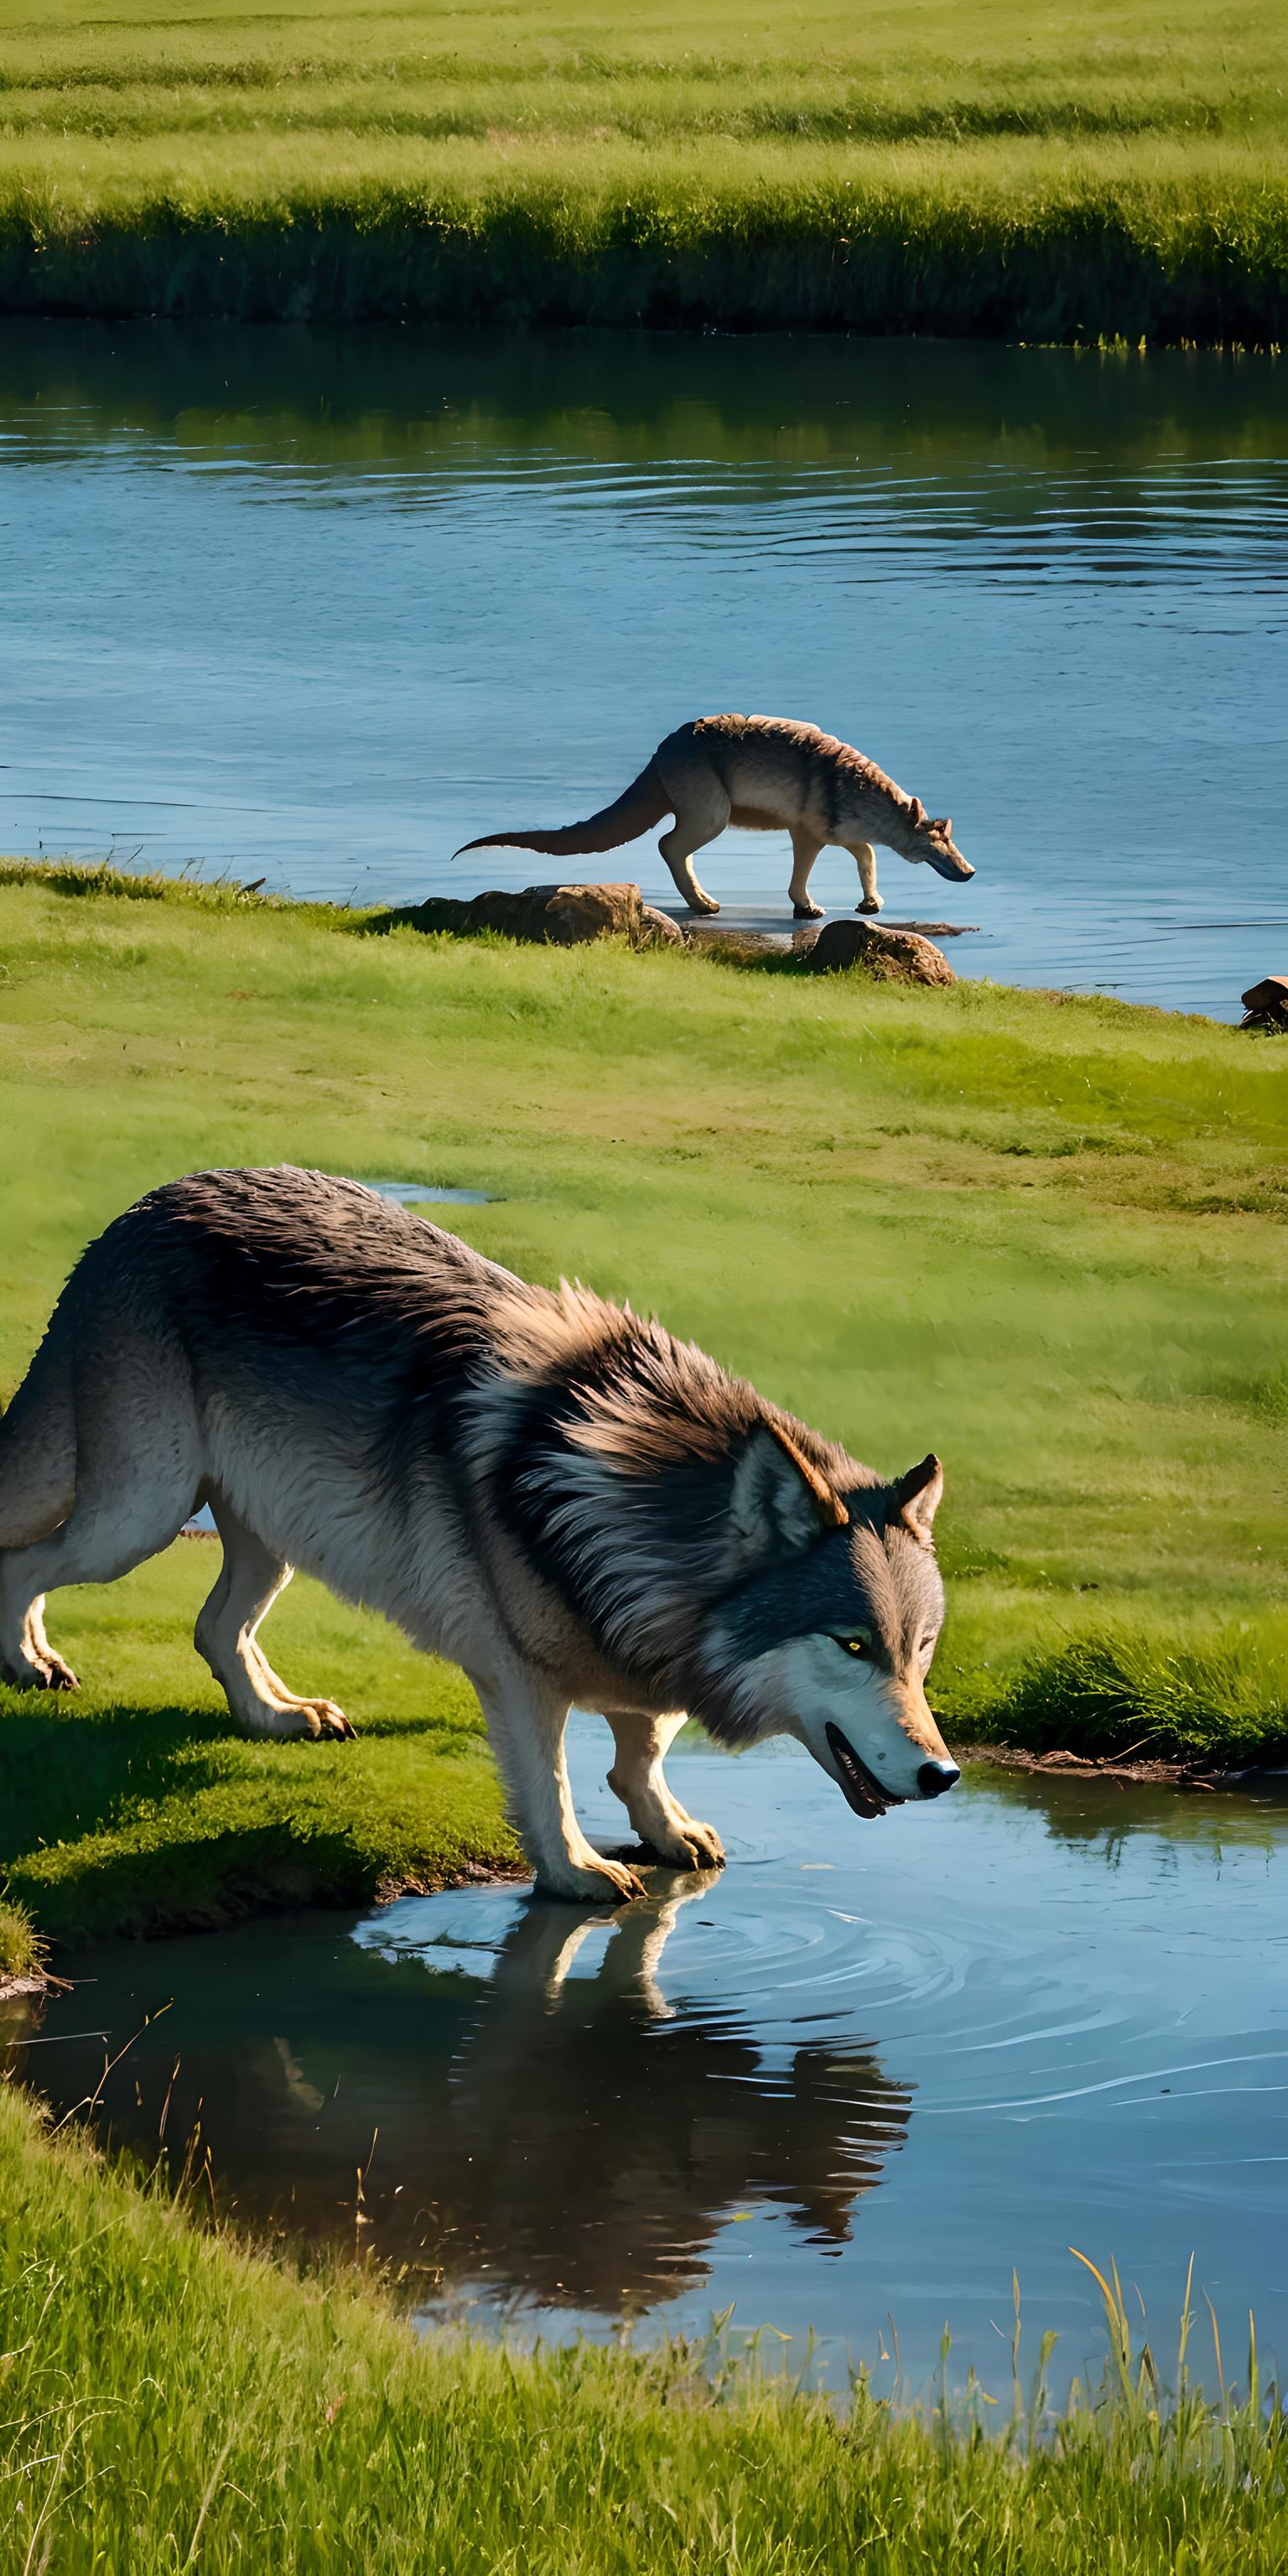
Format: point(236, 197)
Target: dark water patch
point(863, 2072)
point(392, 605)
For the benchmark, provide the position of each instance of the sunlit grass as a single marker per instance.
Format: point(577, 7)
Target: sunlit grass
point(1114, 171)
point(22, 1950)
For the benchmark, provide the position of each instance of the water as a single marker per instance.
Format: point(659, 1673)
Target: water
point(854, 2079)
point(316, 607)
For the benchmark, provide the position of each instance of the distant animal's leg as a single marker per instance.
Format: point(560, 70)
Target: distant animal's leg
point(526, 1719)
point(134, 1476)
point(638, 1780)
point(867, 862)
point(250, 1579)
point(805, 850)
point(701, 813)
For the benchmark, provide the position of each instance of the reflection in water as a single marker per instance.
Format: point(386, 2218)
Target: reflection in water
point(524, 2108)
point(473, 574)
point(1062, 2000)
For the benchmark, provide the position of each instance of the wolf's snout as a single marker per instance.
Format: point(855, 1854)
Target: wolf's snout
point(934, 1777)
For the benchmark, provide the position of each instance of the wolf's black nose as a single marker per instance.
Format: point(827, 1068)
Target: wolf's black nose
point(934, 1777)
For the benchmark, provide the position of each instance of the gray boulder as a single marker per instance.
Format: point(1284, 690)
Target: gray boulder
point(896, 956)
point(551, 916)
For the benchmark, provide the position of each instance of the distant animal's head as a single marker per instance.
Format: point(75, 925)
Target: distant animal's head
point(932, 840)
point(830, 1622)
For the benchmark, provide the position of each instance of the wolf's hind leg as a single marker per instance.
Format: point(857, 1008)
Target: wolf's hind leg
point(250, 1580)
point(37, 1491)
point(805, 850)
point(638, 1780)
point(131, 1495)
point(866, 859)
point(701, 813)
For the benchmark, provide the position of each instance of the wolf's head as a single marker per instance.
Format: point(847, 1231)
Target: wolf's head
point(830, 1622)
point(932, 840)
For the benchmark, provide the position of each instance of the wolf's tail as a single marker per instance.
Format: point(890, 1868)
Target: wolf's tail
point(645, 801)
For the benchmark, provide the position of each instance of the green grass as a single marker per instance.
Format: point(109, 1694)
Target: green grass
point(134, 1807)
point(1046, 1237)
point(1058, 173)
point(22, 1951)
point(173, 2400)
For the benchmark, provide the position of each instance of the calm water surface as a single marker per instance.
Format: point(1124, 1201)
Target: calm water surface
point(318, 606)
point(845, 2085)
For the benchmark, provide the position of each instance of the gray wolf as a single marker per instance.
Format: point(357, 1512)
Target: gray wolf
point(768, 774)
point(552, 1492)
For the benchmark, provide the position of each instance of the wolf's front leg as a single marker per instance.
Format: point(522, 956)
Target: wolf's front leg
point(526, 1719)
point(867, 865)
point(638, 1780)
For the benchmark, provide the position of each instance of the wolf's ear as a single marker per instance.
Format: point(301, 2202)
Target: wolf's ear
point(914, 1499)
point(916, 813)
point(779, 1500)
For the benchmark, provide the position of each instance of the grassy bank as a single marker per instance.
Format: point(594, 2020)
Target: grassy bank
point(1044, 1236)
point(172, 2400)
point(1111, 172)
point(133, 1808)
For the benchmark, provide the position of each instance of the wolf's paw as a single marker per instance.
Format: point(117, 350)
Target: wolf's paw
point(321, 1717)
point(686, 1844)
point(870, 903)
point(38, 1668)
point(596, 1882)
point(704, 903)
point(807, 911)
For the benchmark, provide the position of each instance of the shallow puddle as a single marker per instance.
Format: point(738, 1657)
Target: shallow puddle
point(414, 1194)
point(846, 2085)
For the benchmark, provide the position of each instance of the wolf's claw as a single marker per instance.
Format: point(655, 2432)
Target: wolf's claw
point(322, 1717)
point(599, 1882)
point(688, 1846)
point(55, 1674)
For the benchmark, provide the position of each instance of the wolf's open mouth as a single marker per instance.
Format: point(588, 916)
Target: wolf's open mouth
point(865, 1794)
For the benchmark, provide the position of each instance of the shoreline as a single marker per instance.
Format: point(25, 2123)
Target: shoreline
point(1059, 269)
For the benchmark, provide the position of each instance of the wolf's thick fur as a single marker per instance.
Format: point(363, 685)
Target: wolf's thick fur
point(557, 1495)
point(768, 774)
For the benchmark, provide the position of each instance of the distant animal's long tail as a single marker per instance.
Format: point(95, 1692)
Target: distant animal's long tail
point(645, 801)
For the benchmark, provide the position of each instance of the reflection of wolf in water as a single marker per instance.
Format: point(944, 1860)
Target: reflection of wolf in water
point(563, 1499)
point(610, 2207)
point(545, 2134)
point(768, 774)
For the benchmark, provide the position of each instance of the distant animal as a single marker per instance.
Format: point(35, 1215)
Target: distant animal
point(767, 774)
point(554, 1493)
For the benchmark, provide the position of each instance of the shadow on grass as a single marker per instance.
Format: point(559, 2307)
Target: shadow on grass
point(65, 1775)
point(62, 1772)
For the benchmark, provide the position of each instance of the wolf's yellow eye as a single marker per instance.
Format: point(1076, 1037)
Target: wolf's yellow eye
point(860, 1645)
